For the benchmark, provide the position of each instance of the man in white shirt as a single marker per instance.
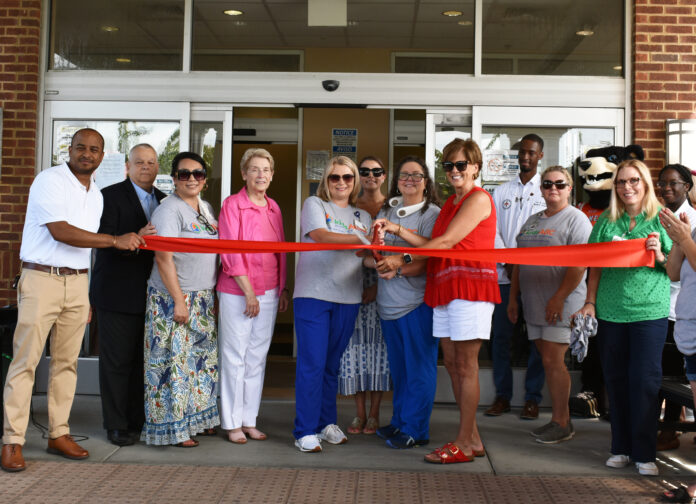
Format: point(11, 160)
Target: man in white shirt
point(63, 213)
point(514, 202)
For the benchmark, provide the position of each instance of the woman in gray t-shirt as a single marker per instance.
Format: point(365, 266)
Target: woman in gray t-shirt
point(551, 294)
point(328, 290)
point(181, 362)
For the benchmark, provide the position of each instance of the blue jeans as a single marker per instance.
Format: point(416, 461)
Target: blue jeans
point(412, 353)
point(631, 355)
point(323, 330)
point(500, 353)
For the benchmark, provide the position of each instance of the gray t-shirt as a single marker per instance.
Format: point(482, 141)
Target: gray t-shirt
point(685, 325)
point(538, 283)
point(175, 218)
point(330, 275)
point(398, 296)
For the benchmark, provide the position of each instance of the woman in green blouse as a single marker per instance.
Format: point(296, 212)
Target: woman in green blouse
point(632, 305)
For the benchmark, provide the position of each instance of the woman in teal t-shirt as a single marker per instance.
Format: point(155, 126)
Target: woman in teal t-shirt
point(632, 305)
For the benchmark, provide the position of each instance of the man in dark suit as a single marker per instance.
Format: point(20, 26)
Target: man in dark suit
point(118, 295)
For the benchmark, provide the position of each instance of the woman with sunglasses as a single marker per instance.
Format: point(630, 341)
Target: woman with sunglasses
point(407, 322)
point(181, 361)
point(462, 293)
point(364, 367)
point(551, 294)
point(328, 291)
point(631, 305)
point(251, 289)
point(674, 183)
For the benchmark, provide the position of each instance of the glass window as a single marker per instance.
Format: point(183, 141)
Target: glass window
point(448, 127)
point(116, 35)
point(119, 137)
point(206, 140)
point(553, 37)
point(271, 35)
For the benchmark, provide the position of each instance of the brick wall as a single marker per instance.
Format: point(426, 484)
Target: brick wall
point(19, 78)
point(664, 54)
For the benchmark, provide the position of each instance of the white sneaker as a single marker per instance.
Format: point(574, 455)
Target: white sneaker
point(333, 434)
point(618, 461)
point(308, 443)
point(647, 468)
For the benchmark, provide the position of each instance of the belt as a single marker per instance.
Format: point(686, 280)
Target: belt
point(54, 270)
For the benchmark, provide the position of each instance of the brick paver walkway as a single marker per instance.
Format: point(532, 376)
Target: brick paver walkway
point(79, 482)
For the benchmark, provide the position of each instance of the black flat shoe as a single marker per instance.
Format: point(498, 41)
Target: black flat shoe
point(120, 437)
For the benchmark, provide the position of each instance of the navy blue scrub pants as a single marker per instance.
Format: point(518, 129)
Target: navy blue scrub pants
point(631, 355)
point(412, 353)
point(323, 331)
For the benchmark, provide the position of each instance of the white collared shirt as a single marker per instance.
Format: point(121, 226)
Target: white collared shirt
point(57, 195)
point(514, 203)
point(674, 287)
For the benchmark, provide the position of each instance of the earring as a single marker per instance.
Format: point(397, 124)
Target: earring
point(397, 191)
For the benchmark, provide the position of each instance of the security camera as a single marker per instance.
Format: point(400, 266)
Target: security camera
point(330, 85)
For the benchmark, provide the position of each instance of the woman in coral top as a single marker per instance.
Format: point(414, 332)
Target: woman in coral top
point(462, 293)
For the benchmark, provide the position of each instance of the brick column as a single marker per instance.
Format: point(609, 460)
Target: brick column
point(664, 54)
point(19, 80)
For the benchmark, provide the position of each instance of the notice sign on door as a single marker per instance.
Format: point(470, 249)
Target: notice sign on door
point(344, 142)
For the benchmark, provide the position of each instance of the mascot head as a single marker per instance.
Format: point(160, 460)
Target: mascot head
point(598, 166)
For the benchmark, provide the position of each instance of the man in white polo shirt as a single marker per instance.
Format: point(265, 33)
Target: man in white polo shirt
point(514, 202)
point(63, 214)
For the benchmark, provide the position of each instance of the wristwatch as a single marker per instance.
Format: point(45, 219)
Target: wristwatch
point(407, 258)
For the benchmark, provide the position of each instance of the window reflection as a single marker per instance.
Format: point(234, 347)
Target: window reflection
point(116, 35)
point(553, 37)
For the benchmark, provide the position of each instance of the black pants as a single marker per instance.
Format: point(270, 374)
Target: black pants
point(121, 338)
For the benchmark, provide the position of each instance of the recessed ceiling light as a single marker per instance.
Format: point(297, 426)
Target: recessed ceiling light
point(240, 23)
point(123, 60)
point(585, 32)
point(109, 29)
point(464, 23)
point(233, 12)
point(452, 13)
point(617, 67)
point(352, 23)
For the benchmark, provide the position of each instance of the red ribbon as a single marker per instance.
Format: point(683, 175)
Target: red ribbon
point(617, 254)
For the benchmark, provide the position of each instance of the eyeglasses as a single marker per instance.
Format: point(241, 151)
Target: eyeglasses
point(633, 181)
point(461, 166)
point(416, 177)
point(184, 175)
point(348, 177)
point(210, 229)
point(376, 172)
point(672, 184)
point(560, 184)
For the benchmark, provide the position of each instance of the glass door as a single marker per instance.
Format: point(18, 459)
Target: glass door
point(165, 126)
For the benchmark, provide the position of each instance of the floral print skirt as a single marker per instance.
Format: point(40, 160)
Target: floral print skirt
point(181, 368)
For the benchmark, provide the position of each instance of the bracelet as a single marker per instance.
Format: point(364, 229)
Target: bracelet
point(398, 233)
point(114, 237)
point(590, 302)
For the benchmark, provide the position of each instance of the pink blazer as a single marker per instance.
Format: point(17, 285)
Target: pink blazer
point(239, 220)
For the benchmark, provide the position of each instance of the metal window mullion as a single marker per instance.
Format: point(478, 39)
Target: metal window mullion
point(188, 30)
point(478, 36)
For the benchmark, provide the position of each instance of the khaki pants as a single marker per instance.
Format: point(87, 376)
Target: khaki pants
point(46, 302)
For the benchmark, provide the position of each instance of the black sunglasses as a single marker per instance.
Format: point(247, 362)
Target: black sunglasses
point(210, 229)
point(376, 172)
point(346, 178)
point(184, 175)
point(461, 166)
point(560, 184)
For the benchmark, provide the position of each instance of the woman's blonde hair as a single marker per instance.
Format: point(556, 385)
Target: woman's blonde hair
point(323, 189)
point(252, 153)
point(559, 169)
point(650, 205)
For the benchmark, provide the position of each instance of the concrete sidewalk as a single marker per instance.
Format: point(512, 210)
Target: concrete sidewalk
point(516, 468)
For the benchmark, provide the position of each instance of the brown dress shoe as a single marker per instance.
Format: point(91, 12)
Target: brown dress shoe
point(500, 406)
point(67, 447)
point(12, 460)
point(530, 411)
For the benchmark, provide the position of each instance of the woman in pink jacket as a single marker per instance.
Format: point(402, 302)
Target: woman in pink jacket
point(251, 289)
